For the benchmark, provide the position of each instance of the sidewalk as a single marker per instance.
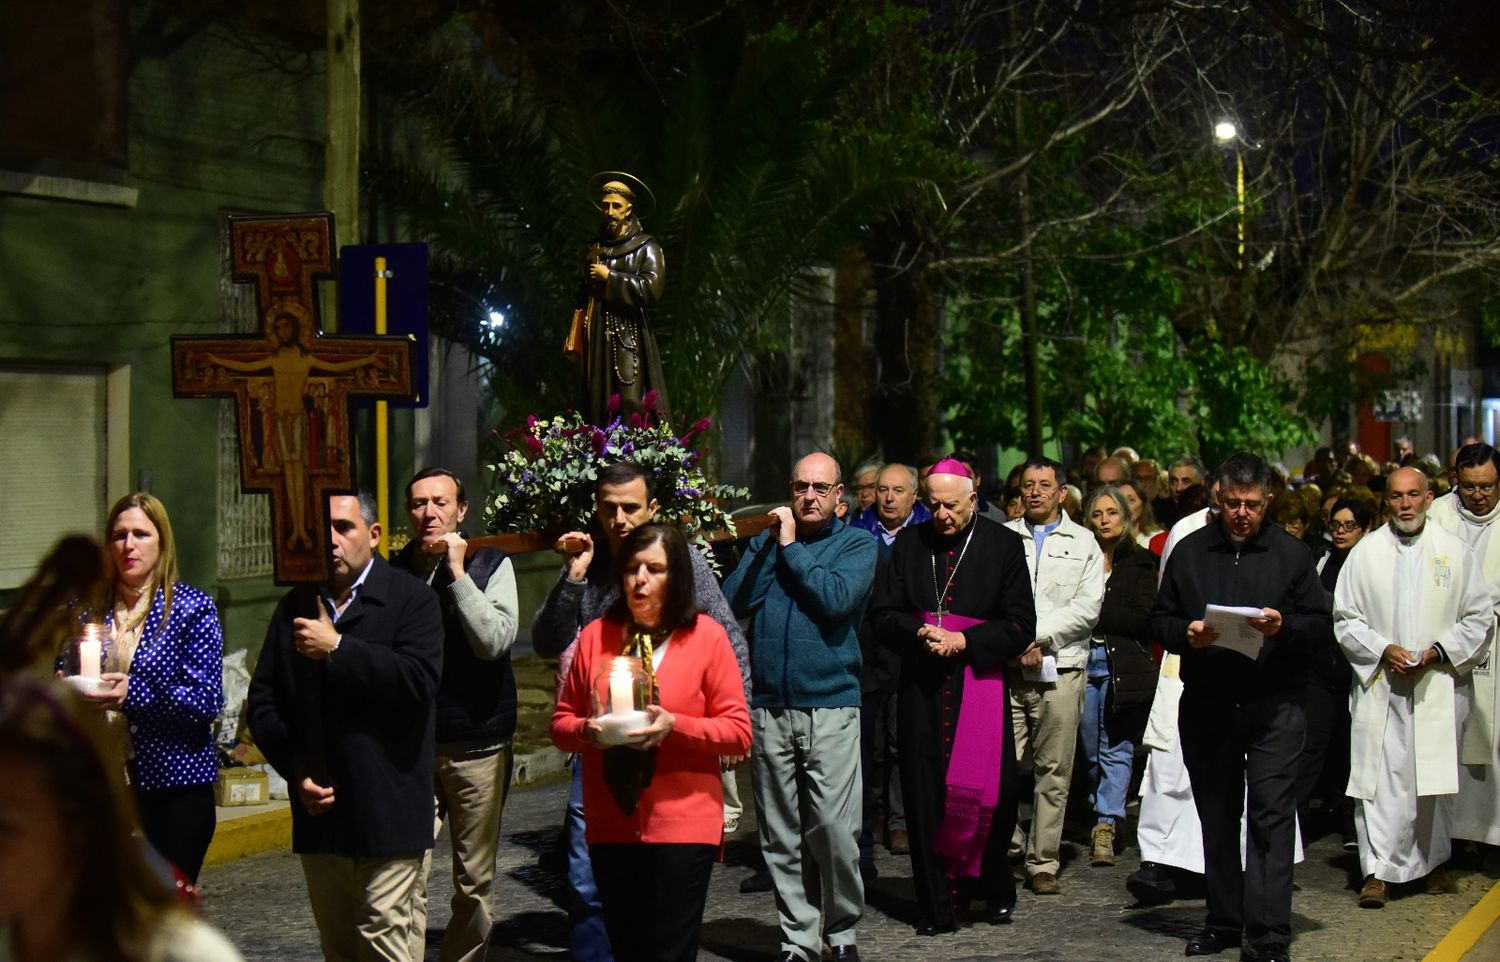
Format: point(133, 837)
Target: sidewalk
point(261, 904)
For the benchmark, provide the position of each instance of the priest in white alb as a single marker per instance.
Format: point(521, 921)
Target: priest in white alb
point(1412, 612)
point(1470, 512)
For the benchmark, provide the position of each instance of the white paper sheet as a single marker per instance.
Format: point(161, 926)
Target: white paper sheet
point(1234, 632)
point(1048, 671)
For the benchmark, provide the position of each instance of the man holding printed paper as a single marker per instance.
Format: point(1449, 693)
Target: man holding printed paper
point(1241, 720)
point(1412, 612)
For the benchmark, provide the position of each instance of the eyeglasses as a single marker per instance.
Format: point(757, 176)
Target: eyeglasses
point(1253, 507)
point(1477, 488)
point(822, 488)
point(1345, 527)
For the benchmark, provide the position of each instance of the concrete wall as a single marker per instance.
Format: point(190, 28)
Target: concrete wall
point(213, 129)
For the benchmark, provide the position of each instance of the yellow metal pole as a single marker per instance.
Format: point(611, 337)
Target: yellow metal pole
point(382, 428)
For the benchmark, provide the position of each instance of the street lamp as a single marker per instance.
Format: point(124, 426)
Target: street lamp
point(1226, 133)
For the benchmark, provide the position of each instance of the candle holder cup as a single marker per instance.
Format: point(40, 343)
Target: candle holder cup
point(621, 694)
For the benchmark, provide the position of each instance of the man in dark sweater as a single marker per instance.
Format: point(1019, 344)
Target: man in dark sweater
point(1241, 719)
point(476, 701)
point(806, 583)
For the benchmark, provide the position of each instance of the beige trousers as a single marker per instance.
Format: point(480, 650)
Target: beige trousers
point(1044, 720)
point(362, 906)
point(470, 791)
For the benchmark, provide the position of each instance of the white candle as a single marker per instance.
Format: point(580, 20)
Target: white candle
point(89, 651)
point(621, 687)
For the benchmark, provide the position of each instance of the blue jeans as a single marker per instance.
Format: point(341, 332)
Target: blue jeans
point(587, 940)
point(1108, 741)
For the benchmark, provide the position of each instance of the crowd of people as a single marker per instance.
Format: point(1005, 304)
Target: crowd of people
point(1262, 657)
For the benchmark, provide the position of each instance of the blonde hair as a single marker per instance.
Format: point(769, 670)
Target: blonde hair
point(165, 575)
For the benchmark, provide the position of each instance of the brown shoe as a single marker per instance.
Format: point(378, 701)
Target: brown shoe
point(1438, 883)
point(1044, 883)
point(1104, 845)
point(1374, 894)
point(900, 843)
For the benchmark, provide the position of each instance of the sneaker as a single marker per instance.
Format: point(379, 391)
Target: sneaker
point(1104, 844)
point(731, 824)
point(1374, 894)
point(1152, 884)
point(1044, 883)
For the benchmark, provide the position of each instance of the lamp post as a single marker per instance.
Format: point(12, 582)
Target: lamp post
point(1226, 133)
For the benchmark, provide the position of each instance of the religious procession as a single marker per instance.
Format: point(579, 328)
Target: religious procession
point(737, 482)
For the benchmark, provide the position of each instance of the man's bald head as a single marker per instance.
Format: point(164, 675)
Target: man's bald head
point(816, 490)
point(1409, 477)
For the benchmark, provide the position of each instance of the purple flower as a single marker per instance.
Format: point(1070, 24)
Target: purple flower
point(635, 418)
point(614, 404)
point(649, 401)
point(598, 442)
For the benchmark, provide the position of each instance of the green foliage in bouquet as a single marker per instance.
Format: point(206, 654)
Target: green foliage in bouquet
point(545, 482)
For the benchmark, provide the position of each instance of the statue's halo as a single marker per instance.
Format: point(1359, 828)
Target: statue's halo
point(645, 201)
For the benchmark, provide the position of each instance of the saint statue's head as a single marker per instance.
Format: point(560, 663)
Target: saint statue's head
point(617, 195)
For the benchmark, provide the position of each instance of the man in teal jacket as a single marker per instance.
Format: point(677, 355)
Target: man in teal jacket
point(805, 584)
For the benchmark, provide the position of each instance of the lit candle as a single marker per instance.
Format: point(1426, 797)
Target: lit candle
point(621, 687)
point(90, 650)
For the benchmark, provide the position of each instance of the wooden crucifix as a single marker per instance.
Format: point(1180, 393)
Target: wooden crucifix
point(291, 383)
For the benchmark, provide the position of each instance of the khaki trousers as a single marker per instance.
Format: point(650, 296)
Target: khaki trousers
point(362, 906)
point(1044, 720)
point(470, 791)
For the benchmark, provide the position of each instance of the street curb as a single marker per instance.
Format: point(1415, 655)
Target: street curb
point(236, 838)
point(1467, 932)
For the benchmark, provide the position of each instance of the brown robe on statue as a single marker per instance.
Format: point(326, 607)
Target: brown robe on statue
point(621, 356)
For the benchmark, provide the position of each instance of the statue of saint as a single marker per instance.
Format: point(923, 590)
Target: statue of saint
point(625, 276)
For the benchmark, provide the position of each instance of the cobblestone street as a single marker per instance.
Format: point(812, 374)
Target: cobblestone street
point(261, 904)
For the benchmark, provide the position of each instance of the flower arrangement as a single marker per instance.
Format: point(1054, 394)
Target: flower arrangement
point(545, 482)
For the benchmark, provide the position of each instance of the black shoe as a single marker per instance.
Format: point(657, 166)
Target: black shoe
point(845, 953)
point(1275, 953)
point(789, 957)
point(1490, 865)
point(1000, 914)
point(927, 927)
point(1211, 942)
point(759, 882)
point(867, 871)
point(1152, 884)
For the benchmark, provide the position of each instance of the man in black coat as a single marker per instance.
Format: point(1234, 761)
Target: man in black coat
point(1241, 720)
point(342, 705)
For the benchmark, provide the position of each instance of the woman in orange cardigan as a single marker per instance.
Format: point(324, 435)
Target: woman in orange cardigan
point(655, 808)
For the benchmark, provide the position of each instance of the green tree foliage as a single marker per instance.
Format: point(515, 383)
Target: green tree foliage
point(734, 119)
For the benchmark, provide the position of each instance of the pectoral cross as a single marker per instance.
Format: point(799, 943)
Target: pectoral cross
point(937, 616)
point(291, 383)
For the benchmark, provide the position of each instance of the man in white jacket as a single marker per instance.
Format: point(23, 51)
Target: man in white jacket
point(1412, 612)
point(1046, 685)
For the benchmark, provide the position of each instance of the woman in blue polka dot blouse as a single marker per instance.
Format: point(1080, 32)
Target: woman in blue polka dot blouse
point(165, 666)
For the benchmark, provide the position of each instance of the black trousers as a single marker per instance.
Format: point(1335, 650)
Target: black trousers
point(179, 823)
point(653, 897)
point(1231, 749)
point(1325, 754)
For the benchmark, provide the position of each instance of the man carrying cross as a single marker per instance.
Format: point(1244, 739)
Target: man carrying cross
point(956, 605)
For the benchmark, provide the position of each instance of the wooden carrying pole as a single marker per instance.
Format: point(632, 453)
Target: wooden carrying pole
point(530, 541)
